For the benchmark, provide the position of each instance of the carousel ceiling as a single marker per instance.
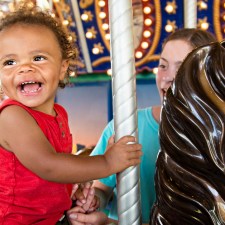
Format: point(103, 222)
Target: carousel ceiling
point(153, 20)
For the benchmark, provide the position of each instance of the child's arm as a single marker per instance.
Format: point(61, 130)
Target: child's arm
point(20, 134)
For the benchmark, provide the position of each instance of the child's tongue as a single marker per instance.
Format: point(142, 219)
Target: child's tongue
point(30, 87)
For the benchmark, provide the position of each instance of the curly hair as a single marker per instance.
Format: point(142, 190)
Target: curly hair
point(34, 16)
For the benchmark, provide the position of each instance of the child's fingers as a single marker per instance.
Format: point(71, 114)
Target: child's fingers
point(134, 157)
point(79, 196)
point(127, 139)
point(86, 188)
point(95, 203)
point(134, 154)
point(80, 191)
point(89, 199)
point(80, 203)
point(87, 184)
point(133, 147)
point(76, 209)
point(134, 162)
point(74, 189)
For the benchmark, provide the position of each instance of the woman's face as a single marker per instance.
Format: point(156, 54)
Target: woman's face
point(173, 54)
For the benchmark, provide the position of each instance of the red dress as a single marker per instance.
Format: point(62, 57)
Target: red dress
point(26, 198)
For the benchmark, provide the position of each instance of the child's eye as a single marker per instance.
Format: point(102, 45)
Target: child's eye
point(9, 62)
point(39, 58)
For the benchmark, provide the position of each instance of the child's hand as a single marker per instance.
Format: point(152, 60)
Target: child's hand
point(85, 197)
point(122, 154)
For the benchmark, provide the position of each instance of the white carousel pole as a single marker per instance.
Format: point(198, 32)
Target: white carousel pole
point(190, 13)
point(124, 105)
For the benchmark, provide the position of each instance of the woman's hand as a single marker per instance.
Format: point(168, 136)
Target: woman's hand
point(77, 216)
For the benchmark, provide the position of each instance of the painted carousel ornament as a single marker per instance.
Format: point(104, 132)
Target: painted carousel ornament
point(190, 171)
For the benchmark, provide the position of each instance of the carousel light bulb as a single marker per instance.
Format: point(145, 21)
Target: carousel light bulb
point(144, 45)
point(168, 28)
point(70, 38)
point(148, 22)
point(109, 72)
point(138, 54)
point(101, 3)
point(204, 26)
point(107, 36)
point(72, 74)
point(102, 15)
point(105, 26)
point(65, 22)
point(147, 33)
point(89, 35)
point(169, 8)
point(147, 10)
point(155, 70)
point(95, 51)
point(203, 5)
point(84, 17)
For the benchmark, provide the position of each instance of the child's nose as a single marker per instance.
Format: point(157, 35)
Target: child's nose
point(27, 67)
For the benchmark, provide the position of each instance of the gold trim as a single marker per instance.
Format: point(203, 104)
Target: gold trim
point(101, 60)
point(153, 58)
point(216, 19)
point(107, 59)
point(85, 3)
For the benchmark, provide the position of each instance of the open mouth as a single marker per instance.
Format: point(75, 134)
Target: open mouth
point(30, 87)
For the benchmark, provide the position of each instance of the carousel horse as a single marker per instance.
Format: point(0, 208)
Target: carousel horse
point(190, 170)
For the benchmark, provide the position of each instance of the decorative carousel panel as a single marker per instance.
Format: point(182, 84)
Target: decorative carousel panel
point(94, 38)
point(153, 20)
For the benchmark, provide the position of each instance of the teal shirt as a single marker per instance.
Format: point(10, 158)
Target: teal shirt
point(148, 136)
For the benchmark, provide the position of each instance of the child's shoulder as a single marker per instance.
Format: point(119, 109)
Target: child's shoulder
point(9, 102)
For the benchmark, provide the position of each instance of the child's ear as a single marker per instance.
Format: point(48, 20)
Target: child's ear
point(64, 67)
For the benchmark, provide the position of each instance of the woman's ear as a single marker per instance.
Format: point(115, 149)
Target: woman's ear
point(64, 67)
